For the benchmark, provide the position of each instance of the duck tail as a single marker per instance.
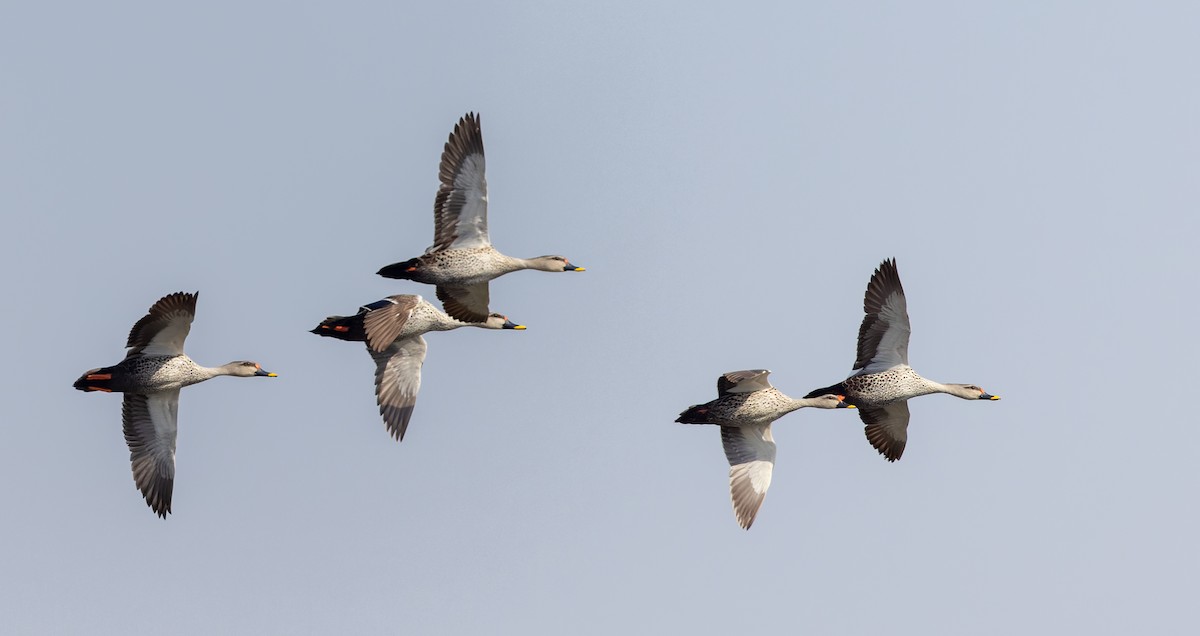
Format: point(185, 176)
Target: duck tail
point(837, 389)
point(697, 414)
point(402, 271)
point(95, 380)
point(343, 328)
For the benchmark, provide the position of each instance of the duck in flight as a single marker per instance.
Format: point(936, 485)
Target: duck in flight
point(882, 382)
point(392, 329)
point(746, 406)
point(150, 376)
point(462, 260)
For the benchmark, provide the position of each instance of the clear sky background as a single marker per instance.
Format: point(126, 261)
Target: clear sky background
point(730, 176)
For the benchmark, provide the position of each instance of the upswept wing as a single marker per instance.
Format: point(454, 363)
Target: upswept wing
point(164, 328)
point(883, 335)
point(460, 207)
point(743, 381)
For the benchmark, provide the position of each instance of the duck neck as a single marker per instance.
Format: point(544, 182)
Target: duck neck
point(958, 391)
point(446, 323)
point(927, 386)
point(200, 373)
point(796, 404)
point(513, 264)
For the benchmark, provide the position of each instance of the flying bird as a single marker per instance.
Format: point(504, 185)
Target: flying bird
point(150, 376)
point(882, 382)
point(746, 406)
point(392, 329)
point(462, 260)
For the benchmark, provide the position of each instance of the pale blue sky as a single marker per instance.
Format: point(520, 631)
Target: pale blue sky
point(730, 177)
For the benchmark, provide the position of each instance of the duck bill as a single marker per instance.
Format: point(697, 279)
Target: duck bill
point(843, 404)
point(265, 374)
point(574, 268)
point(987, 396)
point(508, 324)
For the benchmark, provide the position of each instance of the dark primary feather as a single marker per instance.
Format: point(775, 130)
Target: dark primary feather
point(885, 283)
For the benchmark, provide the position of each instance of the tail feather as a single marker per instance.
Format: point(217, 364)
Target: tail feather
point(402, 271)
point(837, 389)
point(697, 414)
point(95, 380)
point(343, 328)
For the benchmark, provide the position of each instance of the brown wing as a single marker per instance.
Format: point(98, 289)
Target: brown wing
point(887, 428)
point(397, 381)
point(164, 328)
point(384, 325)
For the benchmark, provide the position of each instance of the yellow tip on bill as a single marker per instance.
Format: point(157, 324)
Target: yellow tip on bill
point(272, 375)
point(519, 327)
point(581, 269)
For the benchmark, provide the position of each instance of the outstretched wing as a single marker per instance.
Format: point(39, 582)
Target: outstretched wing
point(743, 381)
point(460, 207)
point(397, 381)
point(149, 423)
point(887, 428)
point(883, 335)
point(751, 454)
point(163, 329)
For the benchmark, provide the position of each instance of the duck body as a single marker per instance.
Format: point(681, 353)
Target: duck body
point(146, 374)
point(463, 266)
point(866, 390)
point(758, 408)
point(744, 410)
point(882, 381)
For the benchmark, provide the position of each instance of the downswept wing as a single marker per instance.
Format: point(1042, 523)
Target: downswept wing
point(150, 426)
point(164, 328)
point(887, 428)
point(883, 335)
point(751, 454)
point(468, 303)
point(397, 381)
point(460, 207)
